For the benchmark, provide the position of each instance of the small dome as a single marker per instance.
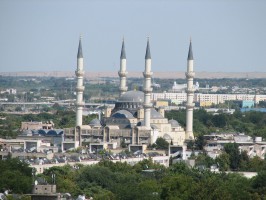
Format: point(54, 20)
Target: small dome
point(167, 137)
point(43, 131)
point(174, 123)
point(95, 122)
point(55, 132)
point(140, 123)
point(123, 114)
point(132, 96)
point(154, 126)
point(155, 114)
point(128, 126)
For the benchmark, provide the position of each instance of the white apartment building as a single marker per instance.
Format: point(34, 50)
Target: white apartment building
point(176, 97)
point(212, 98)
point(221, 98)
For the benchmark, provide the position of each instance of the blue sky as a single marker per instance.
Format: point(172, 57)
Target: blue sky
point(42, 35)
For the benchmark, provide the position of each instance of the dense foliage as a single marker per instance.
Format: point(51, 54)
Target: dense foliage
point(15, 176)
point(231, 159)
point(145, 180)
point(251, 123)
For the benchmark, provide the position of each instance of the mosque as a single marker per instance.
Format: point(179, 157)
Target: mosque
point(133, 121)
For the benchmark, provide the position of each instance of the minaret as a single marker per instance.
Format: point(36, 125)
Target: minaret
point(147, 87)
point(80, 87)
point(123, 73)
point(190, 74)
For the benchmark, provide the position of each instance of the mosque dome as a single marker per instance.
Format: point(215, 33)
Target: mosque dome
point(123, 114)
point(167, 137)
point(132, 96)
point(140, 123)
point(154, 126)
point(155, 114)
point(55, 132)
point(174, 123)
point(95, 122)
point(130, 101)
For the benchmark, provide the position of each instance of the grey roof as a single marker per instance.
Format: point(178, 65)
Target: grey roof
point(26, 132)
point(132, 96)
point(190, 53)
point(155, 114)
point(148, 51)
point(123, 51)
point(142, 123)
point(50, 131)
point(95, 122)
point(55, 132)
point(80, 54)
point(123, 114)
point(173, 123)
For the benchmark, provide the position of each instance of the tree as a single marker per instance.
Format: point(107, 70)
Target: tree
point(219, 120)
point(204, 159)
point(148, 189)
point(223, 161)
point(65, 178)
point(178, 186)
point(191, 145)
point(18, 109)
point(234, 156)
point(15, 175)
point(200, 142)
point(256, 164)
point(161, 143)
point(259, 184)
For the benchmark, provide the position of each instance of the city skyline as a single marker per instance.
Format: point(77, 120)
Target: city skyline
point(43, 36)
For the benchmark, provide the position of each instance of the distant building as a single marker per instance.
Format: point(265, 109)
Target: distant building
point(9, 91)
point(44, 191)
point(247, 104)
point(162, 103)
point(208, 99)
point(36, 125)
point(253, 147)
point(179, 87)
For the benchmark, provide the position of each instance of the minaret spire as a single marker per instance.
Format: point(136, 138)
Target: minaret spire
point(148, 51)
point(147, 89)
point(80, 87)
point(190, 53)
point(190, 74)
point(123, 73)
point(123, 51)
point(80, 54)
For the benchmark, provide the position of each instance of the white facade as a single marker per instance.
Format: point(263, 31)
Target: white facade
point(80, 87)
point(180, 97)
point(147, 88)
point(123, 73)
point(190, 92)
point(213, 98)
point(221, 98)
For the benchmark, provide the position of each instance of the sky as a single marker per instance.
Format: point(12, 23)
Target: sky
point(42, 35)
